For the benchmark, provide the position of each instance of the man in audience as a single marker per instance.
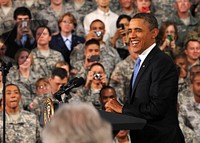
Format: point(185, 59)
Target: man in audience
point(190, 107)
point(21, 126)
point(108, 54)
point(192, 51)
point(21, 36)
point(126, 7)
point(107, 93)
point(44, 57)
point(183, 19)
point(104, 14)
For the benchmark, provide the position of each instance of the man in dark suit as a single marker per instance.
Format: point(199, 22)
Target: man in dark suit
point(153, 93)
point(65, 40)
point(21, 36)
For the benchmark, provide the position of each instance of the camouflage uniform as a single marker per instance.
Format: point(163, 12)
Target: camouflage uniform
point(87, 7)
point(190, 112)
point(38, 102)
point(25, 129)
point(50, 15)
point(37, 5)
point(120, 12)
point(108, 58)
point(183, 29)
point(162, 9)
point(46, 64)
point(27, 87)
point(183, 84)
point(185, 96)
point(7, 20)
point(189, 134)
point(107, 55)
point(123, 71)
point(114, 5)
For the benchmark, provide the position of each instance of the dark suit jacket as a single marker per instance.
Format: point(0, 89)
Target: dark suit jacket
point(154, 98)
point(12, 46)
point(58, 44)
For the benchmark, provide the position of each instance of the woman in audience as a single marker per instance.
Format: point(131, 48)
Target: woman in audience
point(96, 78)
point(43, 90)
point(24, 76)
point(66, 40)
point(167, 38)
point(120, 39)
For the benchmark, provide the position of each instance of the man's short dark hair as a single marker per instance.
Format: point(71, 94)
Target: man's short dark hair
point(148, 17)
point(188, 40)
point(92, 41)
point(22, 11)
point(60, 72)
point(105, 87)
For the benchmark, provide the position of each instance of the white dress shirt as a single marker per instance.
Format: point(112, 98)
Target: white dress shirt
point(108, 18)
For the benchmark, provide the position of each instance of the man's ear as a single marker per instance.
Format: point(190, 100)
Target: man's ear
point(155, 32)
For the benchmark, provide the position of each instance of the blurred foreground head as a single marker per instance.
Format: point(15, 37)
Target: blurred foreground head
point(74, 123)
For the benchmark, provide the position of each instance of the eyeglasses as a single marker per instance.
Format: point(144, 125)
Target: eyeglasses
point(42, 86)
point(67, 22)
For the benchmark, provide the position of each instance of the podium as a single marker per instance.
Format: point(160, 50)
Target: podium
point(122, 122)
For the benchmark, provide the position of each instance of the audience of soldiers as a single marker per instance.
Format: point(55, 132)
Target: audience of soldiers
point(49, 43)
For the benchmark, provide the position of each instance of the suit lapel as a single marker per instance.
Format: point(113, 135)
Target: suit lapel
point(143, 67)
point(61, 43)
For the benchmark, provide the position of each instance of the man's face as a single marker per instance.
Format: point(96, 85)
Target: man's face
point(192, 50)
point(183, 6)
point(5, 2)
point(193, 71)
point(43, 37)
point(196, 86)
point(56, 82)
point(103, 3)
point(13, 97)
point(21, 18)
point(98, 27)
point(126, 3)
point(182, 63)
point(140, 35)
point(106, 95)
point(92, 50)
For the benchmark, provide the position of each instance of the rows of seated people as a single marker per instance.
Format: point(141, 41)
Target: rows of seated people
point(51, 43)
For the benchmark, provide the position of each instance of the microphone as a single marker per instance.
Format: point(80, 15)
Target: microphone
point(76, 82)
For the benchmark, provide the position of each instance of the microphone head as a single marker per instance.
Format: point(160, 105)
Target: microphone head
point(78, 82)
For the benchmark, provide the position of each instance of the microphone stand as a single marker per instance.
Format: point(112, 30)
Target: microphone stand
point(4, 69)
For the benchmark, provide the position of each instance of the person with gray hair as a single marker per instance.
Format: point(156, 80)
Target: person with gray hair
point(74, 123)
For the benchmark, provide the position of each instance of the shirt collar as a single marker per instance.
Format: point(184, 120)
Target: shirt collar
point(103, 13)
point(145, 53)
point(65, 38)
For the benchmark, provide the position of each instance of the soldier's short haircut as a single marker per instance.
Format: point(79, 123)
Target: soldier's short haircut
point(22, 11)
point(105, 87)
point(92, 41)
point(97, 20)
point(60, 72)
